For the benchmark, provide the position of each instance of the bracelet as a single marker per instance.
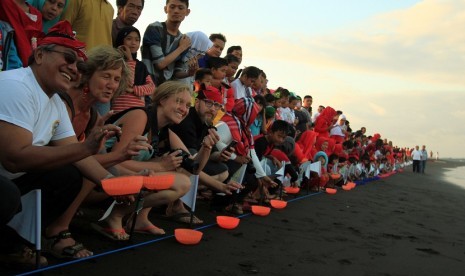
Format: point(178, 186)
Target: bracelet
point(208, 147)
point(109, 176)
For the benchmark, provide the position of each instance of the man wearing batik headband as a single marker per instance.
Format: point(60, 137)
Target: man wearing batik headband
point(193, 130)
point(39, 149)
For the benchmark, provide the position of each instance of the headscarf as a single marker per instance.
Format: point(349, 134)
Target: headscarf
point(243, 114)
point(324, 120)
point(46, 24)
point(318, 155)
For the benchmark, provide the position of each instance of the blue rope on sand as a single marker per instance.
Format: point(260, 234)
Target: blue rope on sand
point(358, 182)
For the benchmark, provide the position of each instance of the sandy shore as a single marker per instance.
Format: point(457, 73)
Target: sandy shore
point(407, 224)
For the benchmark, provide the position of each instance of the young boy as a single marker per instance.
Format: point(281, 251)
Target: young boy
point(242, 85)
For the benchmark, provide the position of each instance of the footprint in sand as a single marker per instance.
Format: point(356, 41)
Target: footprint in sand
point(428, 250)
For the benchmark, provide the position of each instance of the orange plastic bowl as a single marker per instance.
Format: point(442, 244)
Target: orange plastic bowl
point(187, 236)
point(159, 182)
point(292, 190)
point(351, 184)
point(278, 204)
point(124, 185)
point(346, 187)
point(227, 222)
point(260, 210)
point(330, 191)
point(335, 176)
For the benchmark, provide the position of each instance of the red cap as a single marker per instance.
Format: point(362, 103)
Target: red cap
point(210, 93)
point(62, 34)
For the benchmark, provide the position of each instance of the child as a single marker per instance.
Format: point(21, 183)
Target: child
point(140, 83)
point(258, 125)
point(324, 176)
point(219, 66)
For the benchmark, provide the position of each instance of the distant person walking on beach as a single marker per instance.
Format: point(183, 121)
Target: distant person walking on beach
point(431, 154)
point(424, 157)
point(416, 157)
point(437, 155)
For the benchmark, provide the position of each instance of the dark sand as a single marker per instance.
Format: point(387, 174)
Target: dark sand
point(407, 224)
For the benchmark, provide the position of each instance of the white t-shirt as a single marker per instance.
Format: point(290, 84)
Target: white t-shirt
point(23, 103)
point(240, 90)
point(336, 131)
point(416, 155)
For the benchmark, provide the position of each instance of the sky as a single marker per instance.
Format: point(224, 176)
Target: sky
point(393, 66)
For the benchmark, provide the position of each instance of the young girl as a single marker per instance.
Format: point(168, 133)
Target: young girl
point(140, 83)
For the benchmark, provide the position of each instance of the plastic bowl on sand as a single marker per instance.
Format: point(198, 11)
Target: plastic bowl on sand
point(159, 182)
point(227, 222)
point(330, 191)
point(187, 236)
point(260, 210)
point(124, 185)
point(292, 190)
point(335, 176)
point(351, 184)
point(278, 204)
point(346, 187)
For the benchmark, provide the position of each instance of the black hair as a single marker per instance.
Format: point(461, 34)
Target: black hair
point(259, 99)
point(219, 36)
point(270, 98)
point(123, 33)
point(233, 48)
point(332, 157)
point(232, 58)
point(308, 97)
point(183, 1)
point(251, 72)
point(280, 125)
point(217, 62)
point(122, 3)
point(201, 73)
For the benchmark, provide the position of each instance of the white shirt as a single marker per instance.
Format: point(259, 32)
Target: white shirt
point(240, 90)
point(416, 155)
point(23, 103)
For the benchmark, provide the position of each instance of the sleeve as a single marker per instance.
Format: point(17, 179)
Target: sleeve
point(19, 109)
point(152, 40)
point(146, 89)
point(132, 69)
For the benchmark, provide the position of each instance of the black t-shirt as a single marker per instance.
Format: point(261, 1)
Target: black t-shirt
point(191, 130)
point(262, 147)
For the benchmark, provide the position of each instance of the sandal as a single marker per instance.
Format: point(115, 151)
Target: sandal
point(23, 259)
point(111, 233)
point(68, 252)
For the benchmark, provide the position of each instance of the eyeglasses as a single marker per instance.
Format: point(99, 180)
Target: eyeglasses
point(209, 104)
point(70, 58)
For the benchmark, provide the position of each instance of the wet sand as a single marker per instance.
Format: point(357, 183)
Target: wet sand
point(407, 224)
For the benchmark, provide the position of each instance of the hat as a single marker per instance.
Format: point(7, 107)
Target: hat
point(210, 93)
point(62, 34)
point(270, 111)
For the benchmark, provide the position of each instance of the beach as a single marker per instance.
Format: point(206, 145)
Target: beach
point(407, 224)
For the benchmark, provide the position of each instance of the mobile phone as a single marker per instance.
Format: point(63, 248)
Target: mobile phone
point(231, 145)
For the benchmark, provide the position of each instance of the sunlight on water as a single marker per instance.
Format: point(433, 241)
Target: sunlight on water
point(456, 176)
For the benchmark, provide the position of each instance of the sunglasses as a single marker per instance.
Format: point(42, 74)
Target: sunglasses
point(209, 104)
point(70, 58)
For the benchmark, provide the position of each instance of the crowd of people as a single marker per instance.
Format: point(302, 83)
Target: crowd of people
point(77, 107)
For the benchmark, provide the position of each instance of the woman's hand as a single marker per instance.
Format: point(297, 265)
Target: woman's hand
point(242, 159)
point(137, 144)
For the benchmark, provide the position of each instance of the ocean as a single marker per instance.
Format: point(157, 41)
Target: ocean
point(456, 176)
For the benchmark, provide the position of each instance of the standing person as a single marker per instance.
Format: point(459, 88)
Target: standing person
point(416, 157)
point(51, 11)
point(127, 15)
point(163, 45)
point(91, 20)
point(39, 147)
point(140, 86)
point(307, 107)
point(424, 158)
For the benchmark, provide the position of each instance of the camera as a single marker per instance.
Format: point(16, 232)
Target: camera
point(187, 163)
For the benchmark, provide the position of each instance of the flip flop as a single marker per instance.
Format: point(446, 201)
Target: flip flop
point(111, 233)
point(146, 230)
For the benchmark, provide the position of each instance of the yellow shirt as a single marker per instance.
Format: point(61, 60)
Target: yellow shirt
point(91, 20)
